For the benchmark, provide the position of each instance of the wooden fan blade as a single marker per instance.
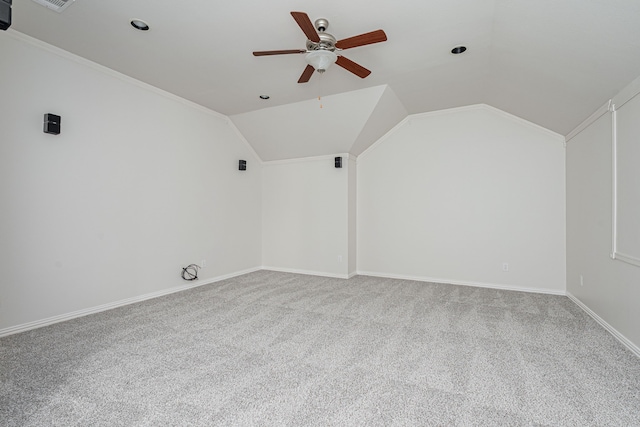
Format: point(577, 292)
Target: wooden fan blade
point(306, 74)
point(306, 26)
point(277, 52)
point(376, 36)
point(351, 66)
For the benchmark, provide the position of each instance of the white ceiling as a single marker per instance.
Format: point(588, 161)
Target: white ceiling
point(550, 62)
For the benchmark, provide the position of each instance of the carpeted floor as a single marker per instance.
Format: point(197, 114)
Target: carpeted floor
point(281, 349)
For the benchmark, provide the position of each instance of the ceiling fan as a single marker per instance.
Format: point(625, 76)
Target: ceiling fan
point(322, 46)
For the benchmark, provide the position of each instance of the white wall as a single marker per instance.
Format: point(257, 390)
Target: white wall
point(610, 289)
point(138, 184)
point(141, 183)
point(450, 196)
point(305, 216)
point(352, 214)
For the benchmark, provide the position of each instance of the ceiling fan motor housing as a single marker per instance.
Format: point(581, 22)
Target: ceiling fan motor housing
point(327, 42)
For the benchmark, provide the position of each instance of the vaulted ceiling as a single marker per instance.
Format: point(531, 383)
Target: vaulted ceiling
point(550, 62)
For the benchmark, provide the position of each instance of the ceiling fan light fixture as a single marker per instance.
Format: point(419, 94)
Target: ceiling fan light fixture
point(321, 60)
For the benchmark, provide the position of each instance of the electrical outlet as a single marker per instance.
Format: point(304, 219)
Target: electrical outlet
point(339, 258)
point(581, 280)
point(203, 263)
point(505, 266)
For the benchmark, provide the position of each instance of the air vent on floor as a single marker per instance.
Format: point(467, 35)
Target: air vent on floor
point(57, 5)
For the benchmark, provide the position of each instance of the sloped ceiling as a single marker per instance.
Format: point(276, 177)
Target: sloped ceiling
point(334, 124)
point(550, 62)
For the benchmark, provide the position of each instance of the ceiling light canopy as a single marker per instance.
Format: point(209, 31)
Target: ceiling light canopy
point(321, 59)
point(139, 24)
point(458, 50)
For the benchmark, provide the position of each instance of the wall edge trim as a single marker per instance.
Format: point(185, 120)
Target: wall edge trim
point(520, 120)
point(589, 120)
point(472, 107)
point(244, 140)
point(463, 283)
point(495, 110)
point(308, 272)
point(384, 137)
point(627, 93)
point(110, 72)
point(613, 331)
point(11, 330)
point(323, 157)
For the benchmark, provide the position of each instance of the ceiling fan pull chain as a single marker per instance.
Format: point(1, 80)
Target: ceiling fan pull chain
point(320, 89)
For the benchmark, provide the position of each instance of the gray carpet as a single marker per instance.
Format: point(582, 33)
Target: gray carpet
point(282, 349)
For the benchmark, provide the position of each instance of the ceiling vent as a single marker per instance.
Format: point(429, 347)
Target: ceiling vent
point(56, 5)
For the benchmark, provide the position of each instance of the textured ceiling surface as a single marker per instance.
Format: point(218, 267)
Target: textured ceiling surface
point(547, 61)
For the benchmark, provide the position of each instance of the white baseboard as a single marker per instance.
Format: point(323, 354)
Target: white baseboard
point(84, 312)
point(68, 316)
point(310, 272)
point(463, 283)
point(631, 346)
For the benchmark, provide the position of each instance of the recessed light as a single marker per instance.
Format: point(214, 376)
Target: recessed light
point(139, 24)
point(264, 97)
point(458, 50)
